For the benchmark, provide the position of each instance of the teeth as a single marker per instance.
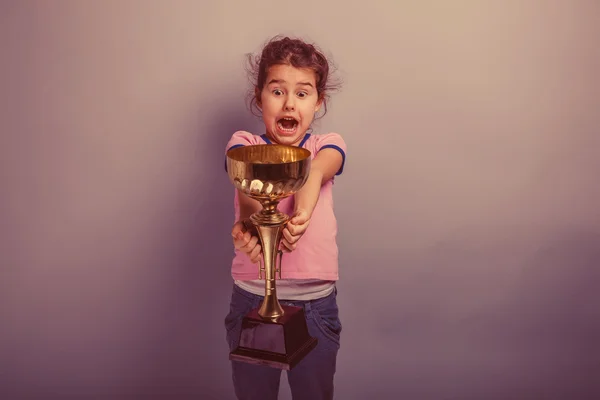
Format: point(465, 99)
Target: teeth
point(280, 125)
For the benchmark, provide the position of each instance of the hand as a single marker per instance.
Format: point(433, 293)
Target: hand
point(245, 241)
point(294, 230)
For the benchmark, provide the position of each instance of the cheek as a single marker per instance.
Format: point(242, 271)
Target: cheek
point(267, 118)
point(268, 112)
point(269, 107)
point(308, 114)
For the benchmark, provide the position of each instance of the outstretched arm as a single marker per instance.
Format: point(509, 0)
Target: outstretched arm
point(324, 166)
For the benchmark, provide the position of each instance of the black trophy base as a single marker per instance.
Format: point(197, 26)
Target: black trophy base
point(279, 344)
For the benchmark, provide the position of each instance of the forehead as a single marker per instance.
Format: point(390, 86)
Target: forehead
point(290, 74)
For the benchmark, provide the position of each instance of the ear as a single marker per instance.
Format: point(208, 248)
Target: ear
point(257, 97)
point(319, 104)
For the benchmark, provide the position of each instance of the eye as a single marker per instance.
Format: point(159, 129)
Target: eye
point(302, 94)
point(277, 92)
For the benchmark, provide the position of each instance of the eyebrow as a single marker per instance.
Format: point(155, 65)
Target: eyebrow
point(283, 81)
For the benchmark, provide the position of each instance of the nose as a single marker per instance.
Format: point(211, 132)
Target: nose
point(289, 103)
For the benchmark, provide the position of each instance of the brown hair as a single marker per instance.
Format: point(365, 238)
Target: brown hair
point(298, 54)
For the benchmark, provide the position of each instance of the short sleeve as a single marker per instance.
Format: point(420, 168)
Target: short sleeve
point(333, 141)
point(238, 139)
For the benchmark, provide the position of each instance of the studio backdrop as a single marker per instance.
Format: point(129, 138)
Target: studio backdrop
point(469, 222)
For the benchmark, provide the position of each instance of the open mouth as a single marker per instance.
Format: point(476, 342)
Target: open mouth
point(287, 125)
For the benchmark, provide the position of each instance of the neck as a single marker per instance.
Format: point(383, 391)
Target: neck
point(296, 143)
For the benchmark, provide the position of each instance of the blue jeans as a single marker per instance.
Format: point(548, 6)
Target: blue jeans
point(312, 377)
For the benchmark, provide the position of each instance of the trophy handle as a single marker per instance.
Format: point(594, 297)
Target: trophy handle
point(278, 265)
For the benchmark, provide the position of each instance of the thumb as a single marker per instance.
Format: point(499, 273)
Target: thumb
point(300, 217)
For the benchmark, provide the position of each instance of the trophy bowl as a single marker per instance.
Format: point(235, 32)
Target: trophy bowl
point(271, 334)
point(268, 172)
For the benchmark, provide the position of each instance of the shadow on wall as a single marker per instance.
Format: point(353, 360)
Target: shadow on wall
point(189, 355)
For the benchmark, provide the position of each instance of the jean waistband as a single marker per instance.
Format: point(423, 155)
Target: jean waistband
point(306, 304)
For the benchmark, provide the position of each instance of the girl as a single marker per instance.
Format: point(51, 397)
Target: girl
point(291, 84)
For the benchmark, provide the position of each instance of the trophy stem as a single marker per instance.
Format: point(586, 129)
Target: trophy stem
point(270, 224)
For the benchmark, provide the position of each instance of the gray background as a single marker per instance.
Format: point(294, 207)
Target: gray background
point(468, 211)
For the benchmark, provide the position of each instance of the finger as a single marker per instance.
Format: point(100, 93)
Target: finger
point(238, 243)
point(289, 228)
point(255, 254)
point(241, 240)
point(236, 229)
point(289, 238)
point(250, 245)
point(240, 233)
point(287, 246)
point(238, 239)
point(290, 246)
point(243, 244)
point(298, 230)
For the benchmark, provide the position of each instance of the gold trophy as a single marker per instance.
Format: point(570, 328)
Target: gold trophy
point(271, 334)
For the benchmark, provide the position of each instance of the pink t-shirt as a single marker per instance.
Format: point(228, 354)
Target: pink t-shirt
point(316, 255)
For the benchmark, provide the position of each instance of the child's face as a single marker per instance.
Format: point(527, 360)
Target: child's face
point(289, 101)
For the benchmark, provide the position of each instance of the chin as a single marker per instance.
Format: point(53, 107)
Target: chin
point(289, 140)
